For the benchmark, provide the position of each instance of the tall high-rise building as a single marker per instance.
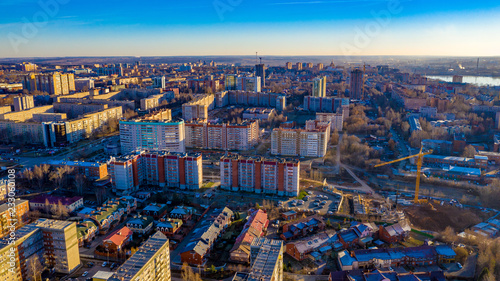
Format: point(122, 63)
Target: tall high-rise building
point(320, 66)
point(150, 263)
point(299, 66)
point(319, 87)
point(36, 246)
point(230, 82)
point(23, 103)
point(260, 71)
point(53, 83)
point(309, 142)
point(152, 135)
point(158, 82)
point(170, 169)
point(289, 66)
point(252, 84)
point(259, 175)
point(356, 87)
point(223, 136)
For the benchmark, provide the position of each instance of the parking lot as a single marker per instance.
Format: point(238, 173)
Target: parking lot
point(316, 201)
point(91, 271)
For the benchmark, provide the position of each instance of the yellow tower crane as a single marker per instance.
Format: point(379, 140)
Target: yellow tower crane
point(419, 167)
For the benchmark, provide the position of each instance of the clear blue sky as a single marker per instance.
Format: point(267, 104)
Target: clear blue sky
point(242, 27)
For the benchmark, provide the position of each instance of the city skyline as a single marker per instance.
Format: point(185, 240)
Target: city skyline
point(223, 27)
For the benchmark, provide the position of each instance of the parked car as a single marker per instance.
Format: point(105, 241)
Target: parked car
point(104, 264)
point(85, 274)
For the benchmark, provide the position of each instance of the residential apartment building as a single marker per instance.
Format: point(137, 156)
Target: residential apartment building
point(45, 202)
point(259, 113)
point(266, 261)
point(155, 101)
point(254, 99)
point(356, 84)
point(27, 132)
point(336, 120)
point(54, 83)
point(25, 115)
point(91, 170)
point(71, 131)
point(169, 169)
point(259, 175)
point(252, 84)
point(152, 135)
point(312, 141)
point(319, 87)
point(23, 103)
point(151, 262)
point(222, 136)
point(60, 244)
point(198, 108)
point(327, 104)
point(20, 215)
point(54, 243)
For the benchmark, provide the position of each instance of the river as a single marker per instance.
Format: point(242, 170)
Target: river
point(478, 80)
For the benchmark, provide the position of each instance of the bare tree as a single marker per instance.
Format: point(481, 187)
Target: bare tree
point(187, 273)
point(40, 173)
point(34, 268)
point(80, 183)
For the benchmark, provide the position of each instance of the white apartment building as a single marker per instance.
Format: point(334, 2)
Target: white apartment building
point(152, 135)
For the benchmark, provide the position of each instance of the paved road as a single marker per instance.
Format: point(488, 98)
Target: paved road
point(365, 187)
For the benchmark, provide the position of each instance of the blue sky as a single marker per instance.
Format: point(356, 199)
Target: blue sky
point(242, 27)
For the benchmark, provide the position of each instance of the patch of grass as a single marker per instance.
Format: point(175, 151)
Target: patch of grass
point(422, 233)
point(302, 194)
point(208, 185)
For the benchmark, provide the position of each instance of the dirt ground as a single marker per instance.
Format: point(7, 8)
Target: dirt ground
point(424, 217)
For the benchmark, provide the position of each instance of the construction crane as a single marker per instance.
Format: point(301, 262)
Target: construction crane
point(419, 168)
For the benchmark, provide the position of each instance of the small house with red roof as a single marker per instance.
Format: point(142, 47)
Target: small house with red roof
point(255, 227)
point(118, 239)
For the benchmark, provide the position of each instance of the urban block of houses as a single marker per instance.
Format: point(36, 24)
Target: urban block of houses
point(140, 224)
point(155, 210)
point(213, 226)
point(112, 212)
point(394, 233)
point(46, 203)
point(300, 249)
point(394, 257)
point(86, 231)
point(169, 227)
point(255, 227)
point(182, 212)
point(118, 239)
point(386, 275)
point(490, 228)
point(302, 227)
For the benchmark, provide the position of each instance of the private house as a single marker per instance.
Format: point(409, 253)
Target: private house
point(290, 215)
point(118, 239)
point(300, 249)
point(302, 227)
point(140, 224)
point(394, 233)
point(155, 210)
point(169, 227)
point(182, 212)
